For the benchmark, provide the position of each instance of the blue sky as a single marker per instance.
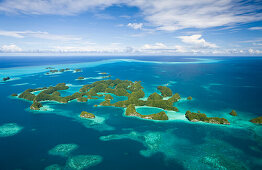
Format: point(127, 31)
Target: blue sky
point(131, 27)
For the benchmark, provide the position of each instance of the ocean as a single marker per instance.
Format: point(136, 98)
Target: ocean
point(59, 139)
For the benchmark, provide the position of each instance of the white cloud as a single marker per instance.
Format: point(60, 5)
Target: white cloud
point(180, 49)
point(156, 46)
point(38, 34)
point(10, 48)
point(55, 7)
point(135, 26)
point(255, 28)
point(118, 49)
point(161, 48)
point(252, 41)
point(11, 34)
point(90, 48)
point(259, 44)
point(252, 51)
point(197, 40)
point(168, 15)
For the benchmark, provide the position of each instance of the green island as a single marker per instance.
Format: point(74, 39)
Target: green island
point(165, 91)
point(14, 94)
point(257, 120)
point(36, 105)
point(85, 114)
point(196, 117)
point(6, 78)
point(233, 113)
point(80, 78)
point(77, 70)
point(52, 70)
point(103, 73)
point(105, 88)
point(189, 98)
point(131, 111)
point(62, 70)
point(104, 77)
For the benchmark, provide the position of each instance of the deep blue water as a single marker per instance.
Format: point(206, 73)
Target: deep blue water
point(216, 88)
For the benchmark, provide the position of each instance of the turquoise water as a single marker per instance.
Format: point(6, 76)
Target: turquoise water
point(58, 137)
point(145, 110)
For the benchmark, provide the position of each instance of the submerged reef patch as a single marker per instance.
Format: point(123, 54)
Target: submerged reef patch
point(83, 161)
point(211, 154)
point(97, 123)
point(217, 154)
point(221, 162)
point(54, 167)
point(63, 150)
point(153, 141)
point(21, 84)
point(9, 129)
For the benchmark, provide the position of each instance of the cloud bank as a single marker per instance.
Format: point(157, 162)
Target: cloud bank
point(167, 15)
point(38, 34)
point(10, 48)
point(135, 25)
point(197, 40)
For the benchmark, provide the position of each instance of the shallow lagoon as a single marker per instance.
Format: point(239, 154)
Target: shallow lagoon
point(217, 87)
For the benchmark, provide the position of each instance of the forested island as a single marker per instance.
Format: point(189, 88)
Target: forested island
point(196, 117)
point(131, 111)
point(85, 114)
point(132, 90)
point(103, 73)
point(233, 113)
point(80, 78)
point(6, 78)
point(257, 120)
point(53, 70)
point(77, 70)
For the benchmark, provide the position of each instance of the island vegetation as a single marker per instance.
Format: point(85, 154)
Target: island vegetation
point(53, 70)
point(85, 114)
point(82, 99)
point(233, 113)
point(103, 73)
point(196, 117)
point(77, 70)
point(165, 91)
point(49, 68)
point(6, 78)
point(14, 94)
point(36, 105)
point(108, 97)
point(51, 94)
point(131, 111)
point(104, 77)
point(132, 90)
point(189, 98)
point(257, 120)
point(80, 78)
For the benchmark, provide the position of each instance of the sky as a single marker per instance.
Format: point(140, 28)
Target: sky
point(131, 27)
